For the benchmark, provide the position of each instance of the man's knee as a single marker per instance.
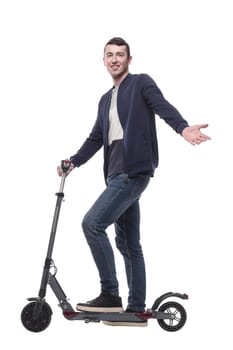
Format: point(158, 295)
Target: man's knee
point(87, 224)
point(92, 227)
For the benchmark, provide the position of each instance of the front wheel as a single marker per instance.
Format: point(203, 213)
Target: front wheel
point(36, 316)
point(177, 316)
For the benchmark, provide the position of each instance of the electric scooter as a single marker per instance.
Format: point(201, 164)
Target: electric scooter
point(36, 315)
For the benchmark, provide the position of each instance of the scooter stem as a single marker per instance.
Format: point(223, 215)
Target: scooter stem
point(65, 165)
point(62, 183)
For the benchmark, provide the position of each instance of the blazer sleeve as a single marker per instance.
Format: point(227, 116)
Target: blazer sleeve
point(90, 146)
point(156, 101)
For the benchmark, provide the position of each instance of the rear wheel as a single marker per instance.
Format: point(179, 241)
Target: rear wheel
point(36, 316)
point(177, 316)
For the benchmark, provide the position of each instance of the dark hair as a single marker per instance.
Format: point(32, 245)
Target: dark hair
point(119, 42)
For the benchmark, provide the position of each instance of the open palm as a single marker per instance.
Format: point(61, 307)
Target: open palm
point(193, 134)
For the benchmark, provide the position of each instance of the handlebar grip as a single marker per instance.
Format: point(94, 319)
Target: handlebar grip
point(65, 165)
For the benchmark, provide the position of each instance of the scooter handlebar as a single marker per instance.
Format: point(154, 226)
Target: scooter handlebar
point(65, 165)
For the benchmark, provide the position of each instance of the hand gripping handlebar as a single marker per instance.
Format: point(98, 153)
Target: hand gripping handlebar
point(65, 165)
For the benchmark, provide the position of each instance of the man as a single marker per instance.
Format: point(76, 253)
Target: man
point(125, 127)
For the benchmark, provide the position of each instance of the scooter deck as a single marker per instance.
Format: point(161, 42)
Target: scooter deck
point(114, 316)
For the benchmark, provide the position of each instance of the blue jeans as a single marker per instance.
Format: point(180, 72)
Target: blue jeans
point(119, 204)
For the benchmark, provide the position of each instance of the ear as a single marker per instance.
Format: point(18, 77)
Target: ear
point(130, 59)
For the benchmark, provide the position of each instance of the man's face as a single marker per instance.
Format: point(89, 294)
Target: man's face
point(116, 60)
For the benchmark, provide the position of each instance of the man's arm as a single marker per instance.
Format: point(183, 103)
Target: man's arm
point(92, 144)
point(156, 101)
point(170, 114)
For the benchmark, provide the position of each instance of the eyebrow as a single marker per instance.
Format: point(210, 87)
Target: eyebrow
point(110, 52)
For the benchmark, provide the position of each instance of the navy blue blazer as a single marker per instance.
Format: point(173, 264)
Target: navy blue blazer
point(139, 100)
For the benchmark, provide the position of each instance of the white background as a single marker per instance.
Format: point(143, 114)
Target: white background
point(52, 77)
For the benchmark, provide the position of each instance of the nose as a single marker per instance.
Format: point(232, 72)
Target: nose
point(114, 58)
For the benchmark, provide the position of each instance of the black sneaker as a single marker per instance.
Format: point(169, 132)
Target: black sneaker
point(130, 318)
point(105, 302)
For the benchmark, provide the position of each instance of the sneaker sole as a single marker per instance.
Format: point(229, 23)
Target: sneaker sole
point(98, 309)
point(128, 324)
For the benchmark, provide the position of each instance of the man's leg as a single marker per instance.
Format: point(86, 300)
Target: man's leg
point(128, 242)
point(119, 195)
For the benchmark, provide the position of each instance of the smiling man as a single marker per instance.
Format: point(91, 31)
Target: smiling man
point(125, 127)
point(117, 60)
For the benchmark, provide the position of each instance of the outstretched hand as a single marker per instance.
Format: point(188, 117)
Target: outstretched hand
point(193, 134)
